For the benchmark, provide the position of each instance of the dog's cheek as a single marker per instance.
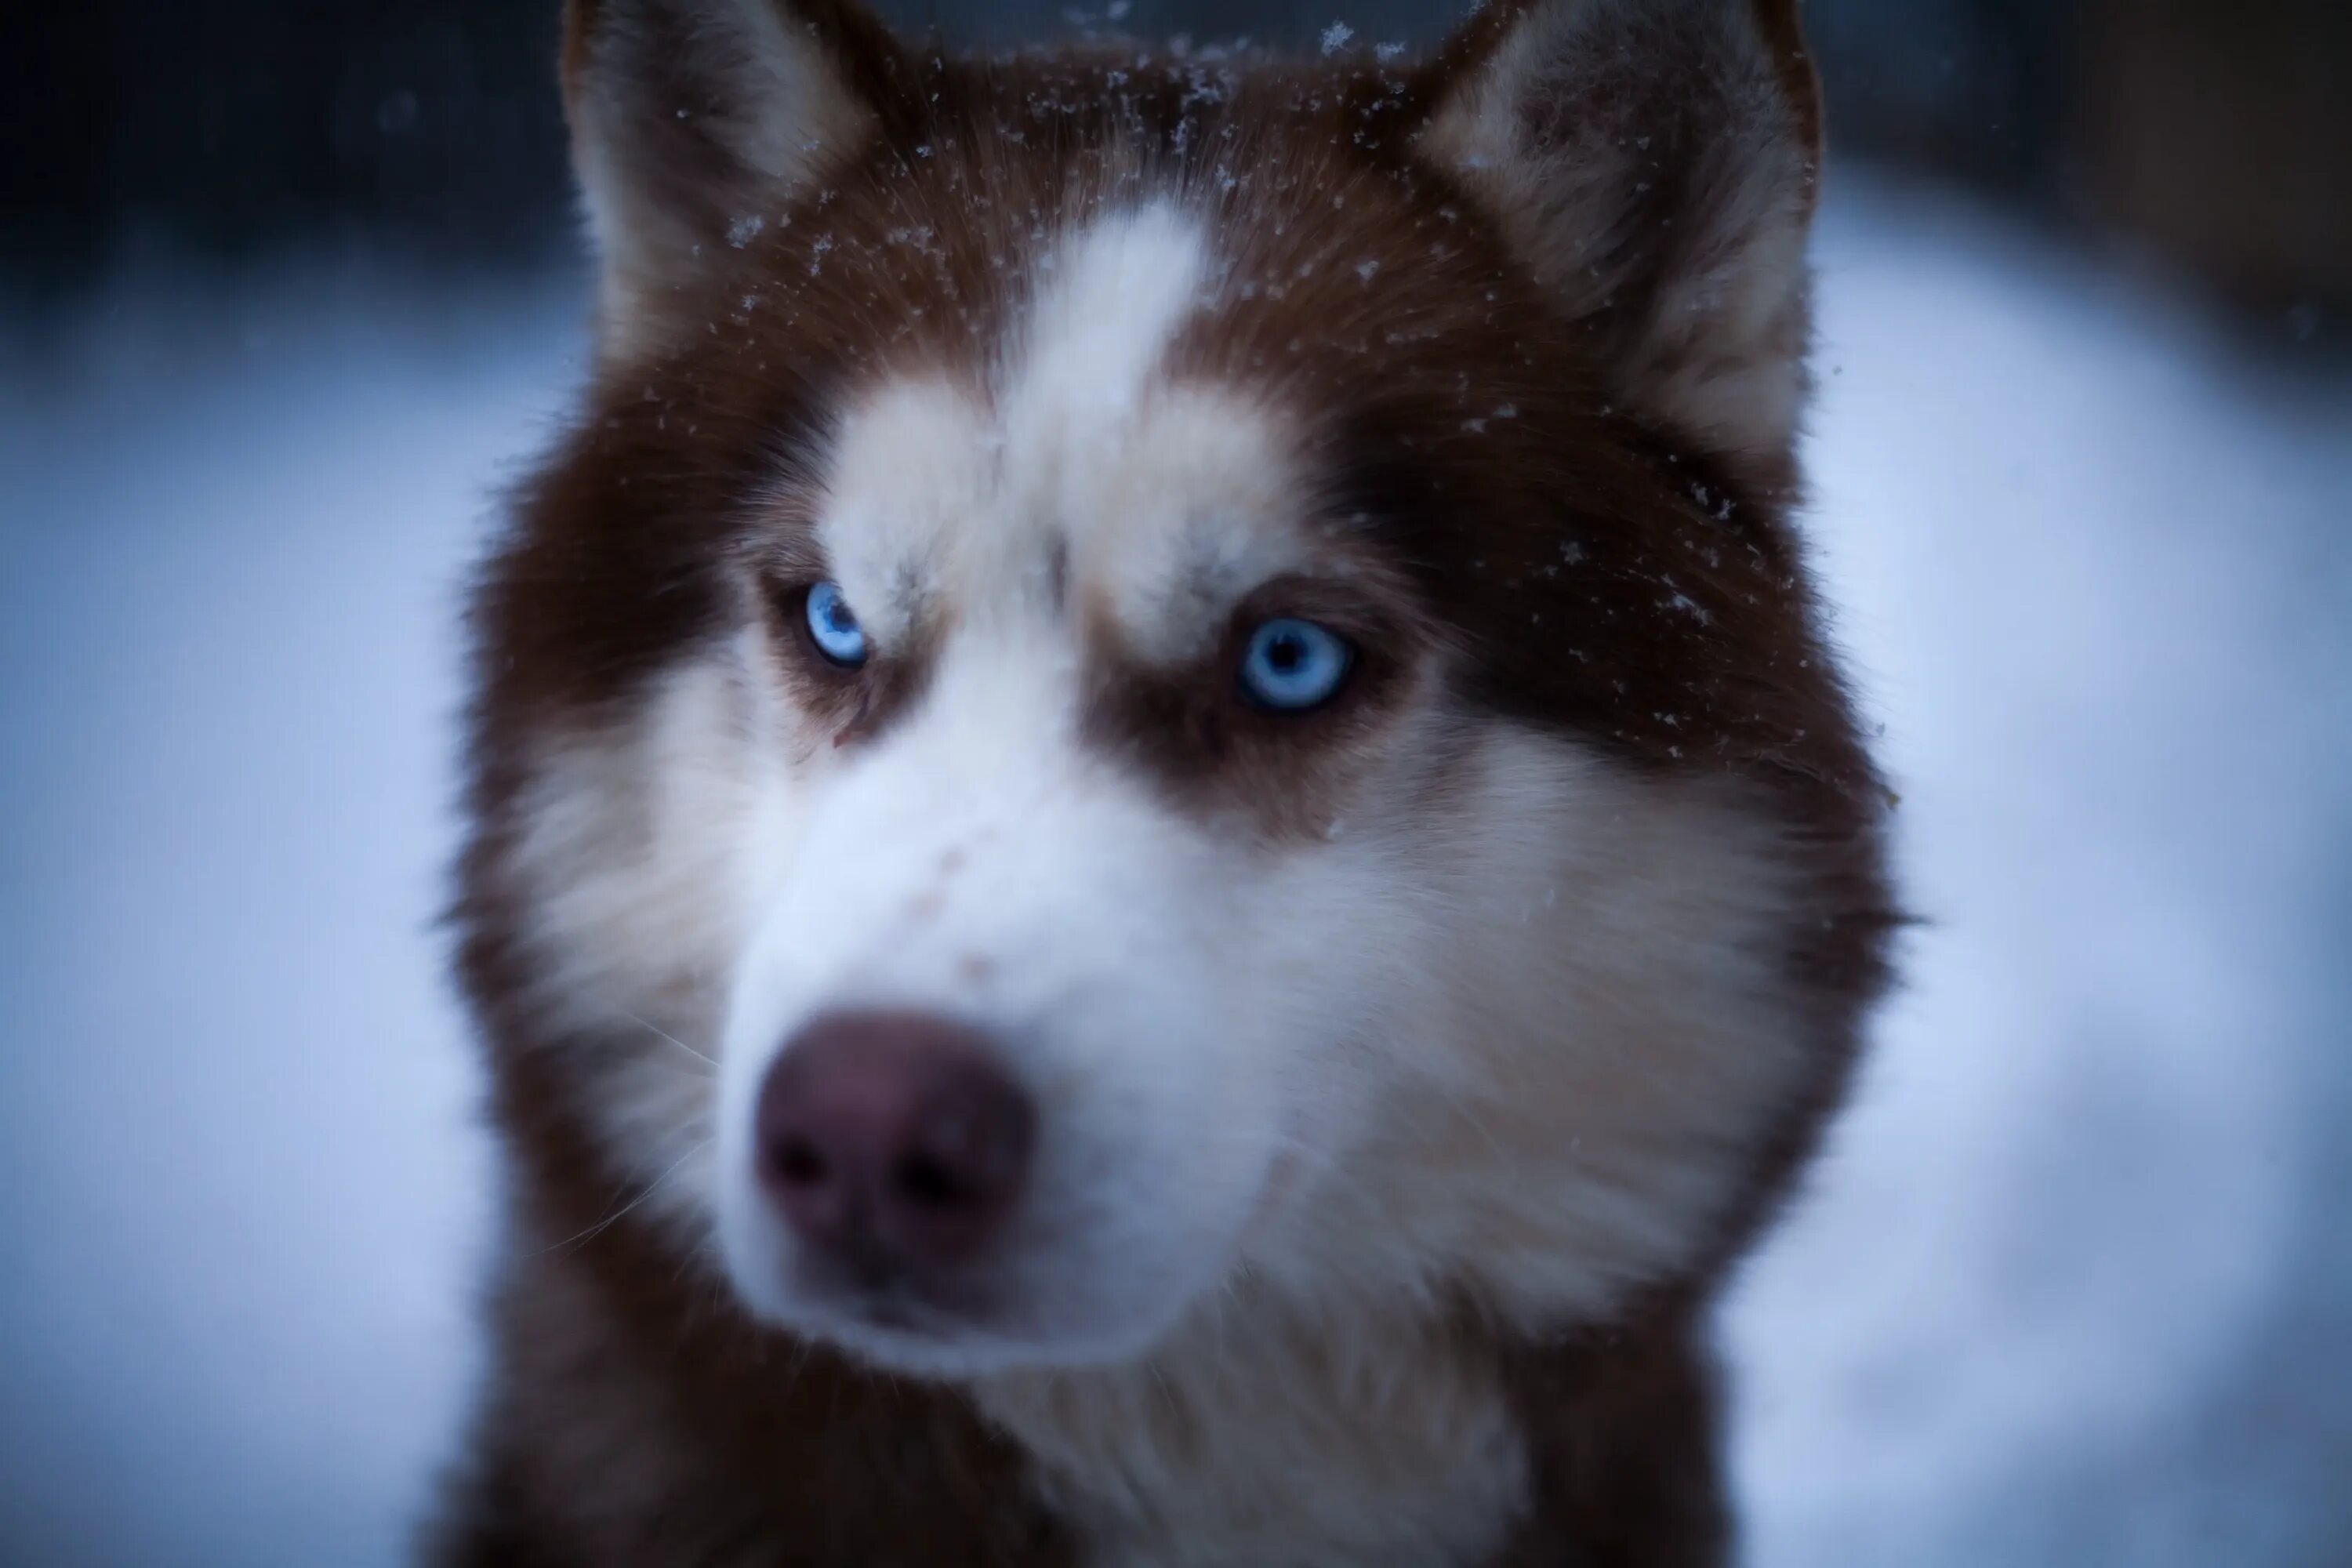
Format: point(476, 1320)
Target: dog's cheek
point(643, 847)
point(1573, 1036)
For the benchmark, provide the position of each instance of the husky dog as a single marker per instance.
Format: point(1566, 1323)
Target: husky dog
point(1164, 857)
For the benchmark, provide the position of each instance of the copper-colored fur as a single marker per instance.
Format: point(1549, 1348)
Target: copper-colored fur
point(636, 1414)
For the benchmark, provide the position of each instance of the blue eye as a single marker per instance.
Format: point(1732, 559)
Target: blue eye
point(834, 628)
point(1293, 666)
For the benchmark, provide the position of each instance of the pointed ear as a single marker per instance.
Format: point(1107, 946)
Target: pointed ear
point(1654, 161)
point(695, 122)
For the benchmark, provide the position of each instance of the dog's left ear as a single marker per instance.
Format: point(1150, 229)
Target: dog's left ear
point(696, 122)
point(1654, 162)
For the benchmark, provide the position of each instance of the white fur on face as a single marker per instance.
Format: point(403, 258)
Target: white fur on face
point(979, 859)
point(980, 863)
point(645, 850)
point(1580, 1030)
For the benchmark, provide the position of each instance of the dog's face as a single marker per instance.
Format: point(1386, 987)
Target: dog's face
point(1145, 675)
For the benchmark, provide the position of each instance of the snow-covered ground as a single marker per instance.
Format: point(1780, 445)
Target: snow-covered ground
point(2072, 1287)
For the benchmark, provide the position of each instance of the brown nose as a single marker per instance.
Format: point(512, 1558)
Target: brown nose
point(893, 1141)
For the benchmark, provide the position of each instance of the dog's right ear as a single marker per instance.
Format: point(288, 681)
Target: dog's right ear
point(695, 123)
point(1655, 164)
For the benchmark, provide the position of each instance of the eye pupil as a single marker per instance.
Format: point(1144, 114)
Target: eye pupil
point(1286, 653)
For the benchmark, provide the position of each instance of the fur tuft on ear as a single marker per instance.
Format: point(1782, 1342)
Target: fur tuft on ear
point(696, 122)
point(1655, 163)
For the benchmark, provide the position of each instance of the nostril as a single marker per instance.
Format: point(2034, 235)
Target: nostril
point(798, 1163)
point(929, 1183)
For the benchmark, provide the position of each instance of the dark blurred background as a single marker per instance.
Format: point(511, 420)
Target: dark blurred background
point(2214, 137)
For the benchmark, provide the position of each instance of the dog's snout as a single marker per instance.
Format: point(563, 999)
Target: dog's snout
point(893, 1141)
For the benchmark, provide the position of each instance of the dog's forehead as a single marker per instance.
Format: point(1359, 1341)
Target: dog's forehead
point(1076, 465)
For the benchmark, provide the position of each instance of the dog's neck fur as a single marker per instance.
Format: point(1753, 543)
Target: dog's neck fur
point(1266, 1433)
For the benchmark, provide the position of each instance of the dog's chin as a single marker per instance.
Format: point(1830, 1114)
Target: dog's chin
point(898, 1332)
point(964, 1353)
point(953, 1348)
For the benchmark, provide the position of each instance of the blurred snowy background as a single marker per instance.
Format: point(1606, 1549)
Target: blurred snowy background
point(285, 298)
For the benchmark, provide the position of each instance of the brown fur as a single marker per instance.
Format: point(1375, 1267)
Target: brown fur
point(1624, 583)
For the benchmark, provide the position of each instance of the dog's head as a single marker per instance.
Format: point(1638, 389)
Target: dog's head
point(1147, 669)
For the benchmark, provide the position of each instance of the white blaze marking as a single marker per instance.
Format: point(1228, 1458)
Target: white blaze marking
point(1105, 314)
point(938, 489)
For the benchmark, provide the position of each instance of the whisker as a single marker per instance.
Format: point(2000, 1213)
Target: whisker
point(653, 1029)
point(602, 1225)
